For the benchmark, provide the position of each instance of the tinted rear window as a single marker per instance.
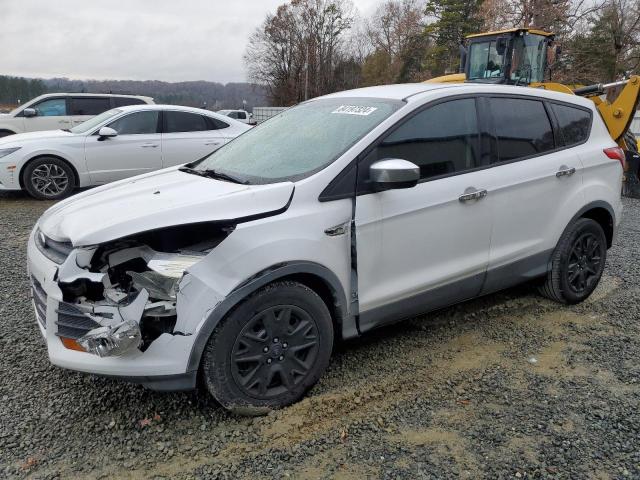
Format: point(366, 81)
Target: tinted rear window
point(522, 127)
point(89, 106)
point(574, 124)
point(175, 122)
point(124, 101)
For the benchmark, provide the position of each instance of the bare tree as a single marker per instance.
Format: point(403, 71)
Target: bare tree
point(296, 50)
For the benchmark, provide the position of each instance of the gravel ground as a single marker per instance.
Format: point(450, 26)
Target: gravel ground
point(509, 385)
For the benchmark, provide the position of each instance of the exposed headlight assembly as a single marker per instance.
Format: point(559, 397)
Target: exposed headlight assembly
point(7, 151)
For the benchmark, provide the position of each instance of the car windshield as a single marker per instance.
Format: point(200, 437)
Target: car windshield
point(84, 127)
point(300, 141)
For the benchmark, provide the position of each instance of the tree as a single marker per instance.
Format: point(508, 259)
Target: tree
point(453, 20)
point(297, 50)
point(395, 33)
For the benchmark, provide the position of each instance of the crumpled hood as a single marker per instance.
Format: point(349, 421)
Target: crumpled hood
point(21, 138)
point(156, 200)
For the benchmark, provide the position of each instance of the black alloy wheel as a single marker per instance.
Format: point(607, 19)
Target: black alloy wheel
point(269, 350)
point(275, 351)
point(584, 263)
point(577, 263)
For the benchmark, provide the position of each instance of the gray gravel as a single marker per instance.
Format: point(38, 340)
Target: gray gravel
point(510, 385)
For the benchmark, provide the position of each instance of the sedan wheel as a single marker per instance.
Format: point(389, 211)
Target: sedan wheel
point(48, 178)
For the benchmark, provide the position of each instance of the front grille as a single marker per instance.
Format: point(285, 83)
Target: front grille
point(39, 302)
point(55, 251)
point(72, 322)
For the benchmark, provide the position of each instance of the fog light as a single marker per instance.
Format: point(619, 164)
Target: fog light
point(112, 341)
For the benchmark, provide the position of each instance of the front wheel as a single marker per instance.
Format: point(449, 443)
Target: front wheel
point(48, 178)
point(577, 263)
point(270, 350)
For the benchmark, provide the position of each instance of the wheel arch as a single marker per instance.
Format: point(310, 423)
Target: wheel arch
point(7, 131)
point(315, 276)
point(76, 175)
point(602, 213)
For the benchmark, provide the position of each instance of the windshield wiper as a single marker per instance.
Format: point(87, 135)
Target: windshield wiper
point(213, 174)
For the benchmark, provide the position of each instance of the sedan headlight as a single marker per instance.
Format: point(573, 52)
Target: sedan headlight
point(7, 151)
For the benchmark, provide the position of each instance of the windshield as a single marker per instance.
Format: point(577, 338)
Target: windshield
point(300, 141)
point(84, 127)
point(485, 61)
point(528, 59)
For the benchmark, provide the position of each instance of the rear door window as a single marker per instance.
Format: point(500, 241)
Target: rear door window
point(441, 140)
point(574, 124)
point(522, 128)
point(175, 122)
point(124, 101)
point(89, 105)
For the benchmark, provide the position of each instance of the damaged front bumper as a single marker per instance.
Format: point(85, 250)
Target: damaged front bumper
point(144, 333)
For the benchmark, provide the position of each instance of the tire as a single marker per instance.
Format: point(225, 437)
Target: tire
point(577, 263)
point(6, 133)
point(270, 350)
point(48, 178)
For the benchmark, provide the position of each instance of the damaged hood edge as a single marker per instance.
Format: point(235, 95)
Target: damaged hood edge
point(153, 202)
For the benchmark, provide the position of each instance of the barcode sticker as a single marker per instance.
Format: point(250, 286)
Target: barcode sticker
point(354, 110)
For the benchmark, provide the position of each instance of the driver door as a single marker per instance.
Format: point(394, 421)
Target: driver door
point(424, 247)
point(134, 151)
point(51, 114)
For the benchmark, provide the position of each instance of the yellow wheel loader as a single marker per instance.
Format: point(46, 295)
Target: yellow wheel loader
point(522, 56)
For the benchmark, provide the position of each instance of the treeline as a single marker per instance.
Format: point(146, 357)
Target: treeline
point(313, 47)
point(15, 89)
point(213, 95)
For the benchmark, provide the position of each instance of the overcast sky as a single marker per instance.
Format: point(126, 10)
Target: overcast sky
point(170, 40)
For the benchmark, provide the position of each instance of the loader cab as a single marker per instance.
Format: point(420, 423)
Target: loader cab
point(512, 57)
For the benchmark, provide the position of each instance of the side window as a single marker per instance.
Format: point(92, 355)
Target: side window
point(175, 122)
point(242, 116)
point(136, 123)
point(574, 123)
point(54, 107)
point(522, 127)
point(442, 139)
point(215, 124)
point(124, 101)
point(89, 105)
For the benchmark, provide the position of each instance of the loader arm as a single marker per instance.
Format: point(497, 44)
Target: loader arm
point(619, 112)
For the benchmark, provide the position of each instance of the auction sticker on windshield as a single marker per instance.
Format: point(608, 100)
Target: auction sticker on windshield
point(354, 110)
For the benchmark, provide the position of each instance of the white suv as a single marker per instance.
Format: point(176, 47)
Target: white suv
point(55, 111)
point(345, 213)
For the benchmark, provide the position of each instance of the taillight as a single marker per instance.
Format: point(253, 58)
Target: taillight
point(615, 153)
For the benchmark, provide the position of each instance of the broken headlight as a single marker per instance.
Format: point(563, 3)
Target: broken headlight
point(112, 341)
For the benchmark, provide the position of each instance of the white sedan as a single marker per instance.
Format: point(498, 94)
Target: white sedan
point(116, 144)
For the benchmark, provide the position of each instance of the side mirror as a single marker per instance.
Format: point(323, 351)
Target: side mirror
point(30, 112)
point(394, 173)
point(106, 132)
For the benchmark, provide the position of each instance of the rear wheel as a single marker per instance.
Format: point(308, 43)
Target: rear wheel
point(270, 350)
point(48, 178)
point(577, 263)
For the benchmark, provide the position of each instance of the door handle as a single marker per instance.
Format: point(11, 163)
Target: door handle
point(149, 145)
point(472, 194)
point(212, 143)
point(565, 171)
point(64, 121)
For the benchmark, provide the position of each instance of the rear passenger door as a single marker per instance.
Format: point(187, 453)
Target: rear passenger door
point(188, 136)
point(428, 246)
point(83, 108)
point(536, 183)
